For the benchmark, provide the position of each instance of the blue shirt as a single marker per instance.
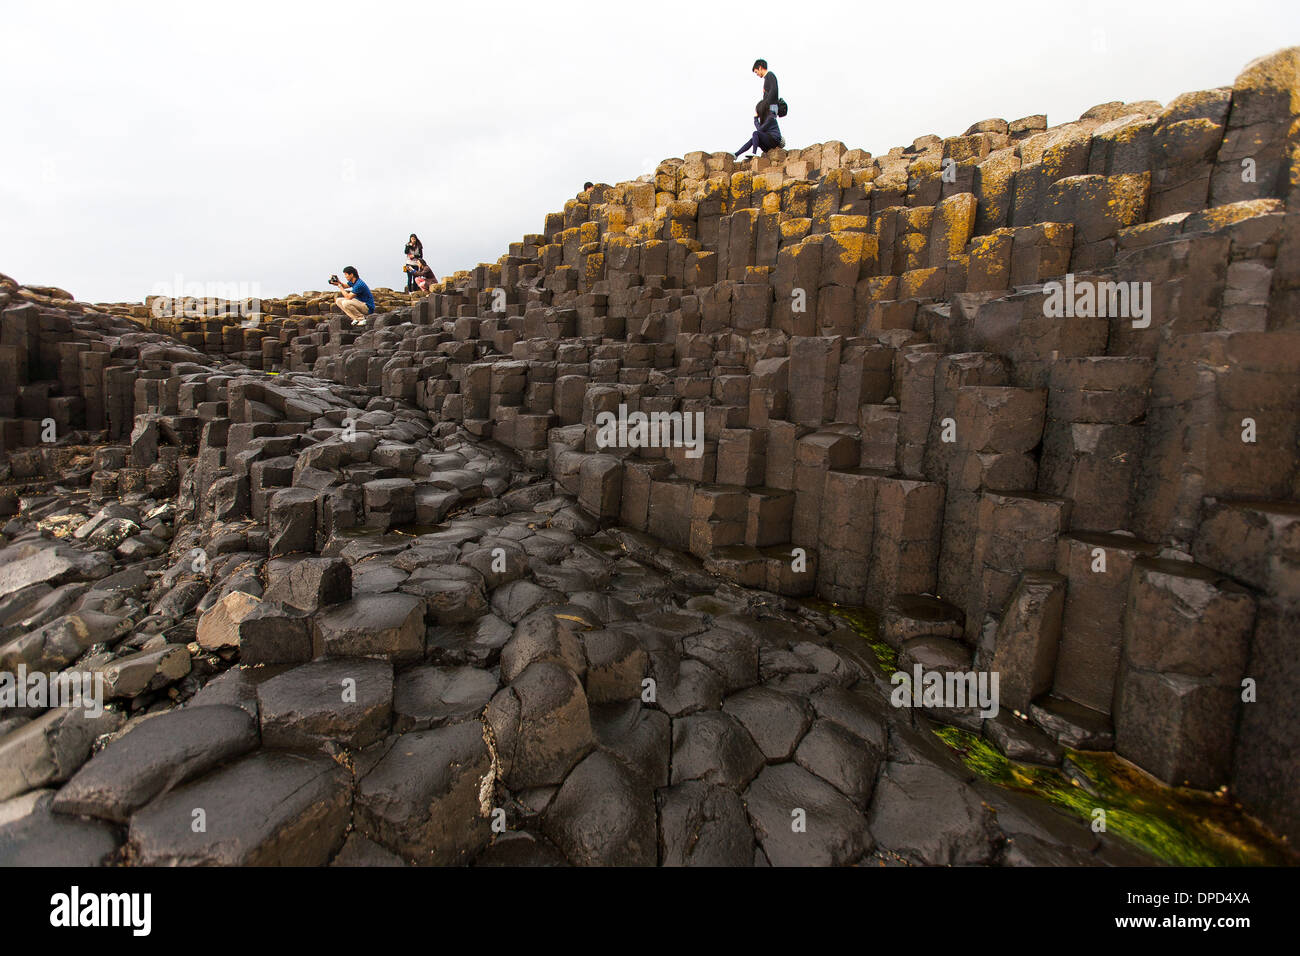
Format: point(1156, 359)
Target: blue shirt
point(362, 292)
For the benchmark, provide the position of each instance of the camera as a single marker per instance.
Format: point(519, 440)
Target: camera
point(334, 280)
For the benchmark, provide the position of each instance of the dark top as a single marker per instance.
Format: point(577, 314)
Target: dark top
point(362, 292)
point(769, 133)
point(415, 247)
point(770, 91)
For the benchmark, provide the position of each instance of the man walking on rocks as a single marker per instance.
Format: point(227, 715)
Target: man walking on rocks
point(356, 300)
point(770, 91)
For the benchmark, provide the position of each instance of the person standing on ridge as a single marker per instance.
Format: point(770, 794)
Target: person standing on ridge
point(411, 268)
point(414, 250)
point(771, 93)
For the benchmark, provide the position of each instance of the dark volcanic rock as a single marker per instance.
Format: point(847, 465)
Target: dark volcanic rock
point(432, 696)
point(775, 720)
point(639, 736)
point(702, 825)
point(801, 820)
point(604, 815)
point(236, 687)
point(59, 642)
point(452, 593)
point(616, 665)
point(516, 600)
point(693, 687)
point(540, 724)
point(547, 634)
point(360, 851)
point(521, 848)
point(841, 758)
point(32, 835)
point(50, 748)
point(268, 809)
point(312, 583)
point(344, 701)
point(272, 633)
point(154, 757)
point(928, 816)
point(864, 717)
point(425, 799)
point(42, 566)
point(372, 625)
point(733, 656)
point(1020, 740)
point(478, 644)
point(714, 747)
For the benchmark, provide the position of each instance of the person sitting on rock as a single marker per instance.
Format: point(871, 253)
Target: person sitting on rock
point(424, 276)
point(356, 300)
point(767, 134)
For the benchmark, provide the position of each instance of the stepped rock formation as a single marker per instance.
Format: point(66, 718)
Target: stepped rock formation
point(1030, 393)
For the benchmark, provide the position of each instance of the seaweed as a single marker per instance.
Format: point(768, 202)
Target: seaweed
point(1179, 826)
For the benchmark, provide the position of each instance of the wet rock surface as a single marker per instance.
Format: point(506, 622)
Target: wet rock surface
point(268, 809)
point(155, 756)
point(596, 726)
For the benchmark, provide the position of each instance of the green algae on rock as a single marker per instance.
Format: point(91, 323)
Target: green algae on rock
point(1179, 826)
point(865, 624)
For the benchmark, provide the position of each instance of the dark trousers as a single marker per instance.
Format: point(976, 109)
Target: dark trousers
point(760, 141)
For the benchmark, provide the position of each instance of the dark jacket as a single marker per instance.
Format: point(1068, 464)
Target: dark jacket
point(769, 132)
point(770, 91)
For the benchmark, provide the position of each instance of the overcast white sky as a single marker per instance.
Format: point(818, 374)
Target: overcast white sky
point(273, 143)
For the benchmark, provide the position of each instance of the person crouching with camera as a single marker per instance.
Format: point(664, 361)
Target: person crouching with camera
point(356, 300)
